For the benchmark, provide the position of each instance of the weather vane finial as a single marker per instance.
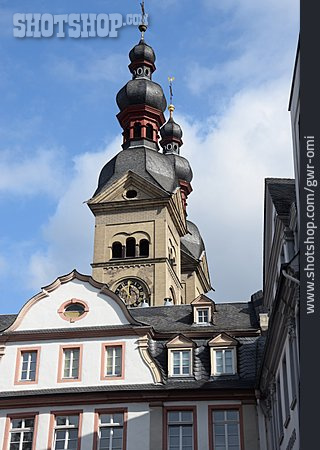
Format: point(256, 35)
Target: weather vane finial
point(143, 26)
point(171, 107)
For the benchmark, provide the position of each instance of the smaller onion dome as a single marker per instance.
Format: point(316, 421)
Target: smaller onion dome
point(142, 52)
point(171, 135)
point(171, 130)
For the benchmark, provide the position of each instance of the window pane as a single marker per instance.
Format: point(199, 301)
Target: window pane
point(61, 420)
point(218, 416)
point(105, 418)
point(73, 420)
point(173, 416)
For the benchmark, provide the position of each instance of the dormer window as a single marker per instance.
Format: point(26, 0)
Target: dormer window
point(203, 315)
point(203, 308)
point(180, 357)
point(223, 355)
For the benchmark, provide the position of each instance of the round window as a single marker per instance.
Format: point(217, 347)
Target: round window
point(139, 71)
point(73, 310)
point(131, 193)
point(169, 147)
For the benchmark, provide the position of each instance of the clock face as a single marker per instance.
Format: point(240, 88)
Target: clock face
point(132, 292)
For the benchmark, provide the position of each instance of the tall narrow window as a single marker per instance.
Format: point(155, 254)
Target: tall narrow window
point(285, 391)
point(279, 406)
point(111, 431)
point(149, 131)
point(137, 130)
point(21, 433)
point(71, 362)
point(226, 429)
point(27, 365)
point(130, 247)
point(180, 430)
point(66, 432)
point(293, 371)
point(181, 362)
point(224, 361)
point(144, 248)
point(112, 361)
point(117, 250)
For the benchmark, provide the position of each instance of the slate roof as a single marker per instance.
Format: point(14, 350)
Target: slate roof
point(6, 320)
point(153, 166)
point(283, 194)
point(192, 242)
point(179, 318)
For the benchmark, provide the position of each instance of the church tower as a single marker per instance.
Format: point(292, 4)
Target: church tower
point(145, 250)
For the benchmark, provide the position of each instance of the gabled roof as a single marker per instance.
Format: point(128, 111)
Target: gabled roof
point(202, 300)
point(11, 322)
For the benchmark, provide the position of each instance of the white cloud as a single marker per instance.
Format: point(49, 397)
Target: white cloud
point(69, 232)
point(250, 141)
point(41, 173)
point(259, 45)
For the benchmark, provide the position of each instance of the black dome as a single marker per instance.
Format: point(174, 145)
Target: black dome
point(141, 91)
point(171, 129)
point(182, 167)
point(142, 52)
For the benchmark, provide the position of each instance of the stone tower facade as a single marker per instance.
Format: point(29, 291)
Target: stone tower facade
point(145, 249)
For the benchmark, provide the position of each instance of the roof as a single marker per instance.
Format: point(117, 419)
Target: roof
point(179, 318)
point(151, 165)
point(192, 243)
point(282, 193)
point(6, 320)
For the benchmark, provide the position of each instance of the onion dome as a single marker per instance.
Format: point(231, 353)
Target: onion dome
point(142, 52)
point(141, 91)
point(171, 135)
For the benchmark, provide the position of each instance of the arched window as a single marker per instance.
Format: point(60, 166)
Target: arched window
point(137, 130)
point(130, 247)
point(117, 250)
point(144, 247)
point(172, 295)
point(149, 132)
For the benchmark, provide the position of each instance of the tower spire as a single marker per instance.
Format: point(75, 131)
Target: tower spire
point(143, 26)
point(171, 106)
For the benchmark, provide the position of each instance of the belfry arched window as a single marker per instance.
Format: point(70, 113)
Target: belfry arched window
point(149, 131)
point(144, 248)
point(130, 247)
point(137, 130)
point(117, 250)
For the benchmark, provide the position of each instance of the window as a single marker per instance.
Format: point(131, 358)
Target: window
point(181, 362)
point(117, 250)
point(225, 429)
point(180, 356)
point(203, 315)
point(27, 365)
point(112, 361)
point(66, 431)
point(130, 247)
point(285, 391)
point(110, 426)
point(279, 406)
point(224, 361)
point(144, 248)
point(137, 130)
point(70, 362)
point(73, 310)
point(149, 131)
point(20, 432)
point(180, 429)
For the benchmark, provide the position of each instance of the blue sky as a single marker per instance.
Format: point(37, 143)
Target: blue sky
point(232, 62)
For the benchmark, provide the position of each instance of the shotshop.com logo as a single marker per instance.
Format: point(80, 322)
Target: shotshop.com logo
point(73, 25)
